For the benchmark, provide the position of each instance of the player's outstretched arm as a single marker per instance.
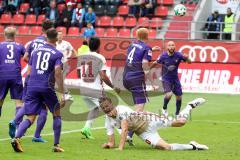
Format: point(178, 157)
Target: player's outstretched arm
point(124, 133)
point(106, 80)
point(26, 57)
point(59, 81)
point(110, 143)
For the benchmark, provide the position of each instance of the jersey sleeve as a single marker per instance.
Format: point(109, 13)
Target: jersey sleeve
point(58, 61)
point(182, 57)
point(30, 61)
point(148, 54)
point(23, 50)
point(160, 59)
point(109, 127)
point(70, 47)
point(29, 48)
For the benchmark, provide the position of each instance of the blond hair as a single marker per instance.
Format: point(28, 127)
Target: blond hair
point(142, 34)
point(10, 32)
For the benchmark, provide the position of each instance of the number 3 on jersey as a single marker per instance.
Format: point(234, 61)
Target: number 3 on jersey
point(131, 54)
point(42, 61)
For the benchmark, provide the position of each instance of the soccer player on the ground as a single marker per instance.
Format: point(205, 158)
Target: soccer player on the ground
point(42, 118)
point(93, 74)
point(145, 125)
point(45, 67)
point(170, 61)
point(139, 54)
point(10, 68)
point(68, 51)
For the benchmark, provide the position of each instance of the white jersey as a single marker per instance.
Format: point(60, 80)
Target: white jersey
point(66, 48)
point(138, 122)
point(123, 112)
point(90, 65)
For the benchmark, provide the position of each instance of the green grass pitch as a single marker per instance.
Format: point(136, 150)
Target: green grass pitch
point(216, 124)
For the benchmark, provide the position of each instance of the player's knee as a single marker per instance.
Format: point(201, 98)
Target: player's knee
point(164, 147)
point(19, 103)
point(168, 95)
point(178, 97)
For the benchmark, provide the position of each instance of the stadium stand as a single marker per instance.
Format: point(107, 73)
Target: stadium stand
point(36, 30)
point(23, 30)
point(30, 19)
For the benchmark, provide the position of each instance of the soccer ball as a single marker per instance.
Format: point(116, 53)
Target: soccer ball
point(180, 10)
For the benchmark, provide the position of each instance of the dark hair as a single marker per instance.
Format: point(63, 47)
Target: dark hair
point(52, 34)
point(94, 43)
point(102, 99)
point(85, 42)
point(47, 24)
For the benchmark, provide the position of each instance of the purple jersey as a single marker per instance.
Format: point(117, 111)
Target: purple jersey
point(170, 65)
point(36, 43)
point(10, 60)
point(137, 51)
point(43, 62)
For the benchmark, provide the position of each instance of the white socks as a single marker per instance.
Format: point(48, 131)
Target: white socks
point(176, 146)
point(186, 111)
point(89, 123)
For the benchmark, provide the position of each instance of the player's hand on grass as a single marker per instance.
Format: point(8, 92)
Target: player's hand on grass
point(117, 90)
point(156, 48)
point(107, 146)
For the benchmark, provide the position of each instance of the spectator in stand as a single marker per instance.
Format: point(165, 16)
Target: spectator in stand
point(134, 7)
point(78, 15)
point(67, 14)
point(89, 31)
point(44, 6)
point(2, 7)
point(12, 6)
point(90, 17)
point(147, 7)
point(74, 2)
point(228, 24)
point(52, 13)
point(213, 25)
point(35, 7)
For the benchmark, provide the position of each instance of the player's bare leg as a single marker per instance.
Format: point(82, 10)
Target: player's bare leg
point(139, 107)
point(57, 126)
point(1, 104)
point(167, 98)
point(24, 125)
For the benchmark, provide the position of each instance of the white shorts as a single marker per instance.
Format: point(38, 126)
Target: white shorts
point(151, 135)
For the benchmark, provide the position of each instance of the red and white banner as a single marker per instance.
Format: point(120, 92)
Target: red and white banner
point(210, 78)
point(222, 5)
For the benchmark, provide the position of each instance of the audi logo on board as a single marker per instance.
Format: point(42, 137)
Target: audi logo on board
point(206, 53)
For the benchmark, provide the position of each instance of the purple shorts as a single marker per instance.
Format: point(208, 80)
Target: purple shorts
point(15, 86)
point(172, 86)
point(35, 100)
point(138, 89)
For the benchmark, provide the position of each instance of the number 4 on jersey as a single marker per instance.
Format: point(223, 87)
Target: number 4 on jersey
point(131, 54)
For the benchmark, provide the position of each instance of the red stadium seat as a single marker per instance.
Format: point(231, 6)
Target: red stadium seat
point(130, 22)
point(124, 33)
point(41, 18)
point(161, 11)
point(125, 1)
point(143, 22)
point(156, 22)
point(63, 29)
point(111, 32)
point(99, 32)
point(36, 30)
point(61, 7)
point(31, 19)
point(104, 21)
point(1, 29)
point(24, 7)
point(18, 19)
point(176, 35)
point(123, 10)
point(167, 2)
point(159, 2)
point(6, 19)
point(23, 30)
point(73, 31)
point(118, 21)
point(152, 33)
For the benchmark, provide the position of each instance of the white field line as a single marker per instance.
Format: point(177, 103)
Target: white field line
point(98, 128)
point(50, 134)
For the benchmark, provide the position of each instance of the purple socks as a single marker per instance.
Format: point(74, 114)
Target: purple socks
point(57, 126)
point(42, 118)
point(24, 125)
